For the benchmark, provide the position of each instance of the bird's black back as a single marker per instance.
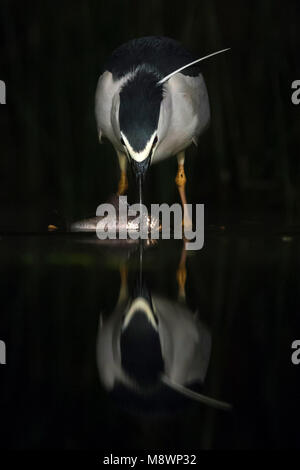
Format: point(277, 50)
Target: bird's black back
point(163, 55)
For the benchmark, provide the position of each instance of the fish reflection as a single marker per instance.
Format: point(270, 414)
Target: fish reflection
point(152, 350)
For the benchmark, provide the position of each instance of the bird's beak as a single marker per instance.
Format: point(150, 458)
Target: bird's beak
point(140, 168)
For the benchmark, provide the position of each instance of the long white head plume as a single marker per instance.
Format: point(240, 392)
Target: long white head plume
point(163, 80)
point(221, 405)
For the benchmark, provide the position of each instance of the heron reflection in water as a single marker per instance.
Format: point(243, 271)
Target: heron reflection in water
point(154, 352)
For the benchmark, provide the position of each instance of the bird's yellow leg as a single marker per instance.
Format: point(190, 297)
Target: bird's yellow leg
point(180, 180)
point(123, 182)
point(181, 274)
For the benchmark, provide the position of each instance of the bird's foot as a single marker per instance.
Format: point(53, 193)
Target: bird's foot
point(123, 184)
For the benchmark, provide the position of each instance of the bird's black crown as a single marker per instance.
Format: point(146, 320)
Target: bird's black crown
point(140, 100)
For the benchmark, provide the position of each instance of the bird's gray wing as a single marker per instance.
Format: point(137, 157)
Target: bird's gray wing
point(106, 104)
point(185, 113)
point(185, 341)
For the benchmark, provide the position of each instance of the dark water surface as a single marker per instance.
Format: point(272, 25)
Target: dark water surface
point(245, 289)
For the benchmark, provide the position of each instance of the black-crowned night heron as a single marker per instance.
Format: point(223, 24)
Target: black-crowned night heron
point(152, 103)
point(150, 347)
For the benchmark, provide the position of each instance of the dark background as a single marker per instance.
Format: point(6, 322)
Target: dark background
point(51, 54)
point(245, 282)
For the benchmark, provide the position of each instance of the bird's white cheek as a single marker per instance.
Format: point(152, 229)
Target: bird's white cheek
point(114, 115)
point(142, 154)
point(139, 156)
